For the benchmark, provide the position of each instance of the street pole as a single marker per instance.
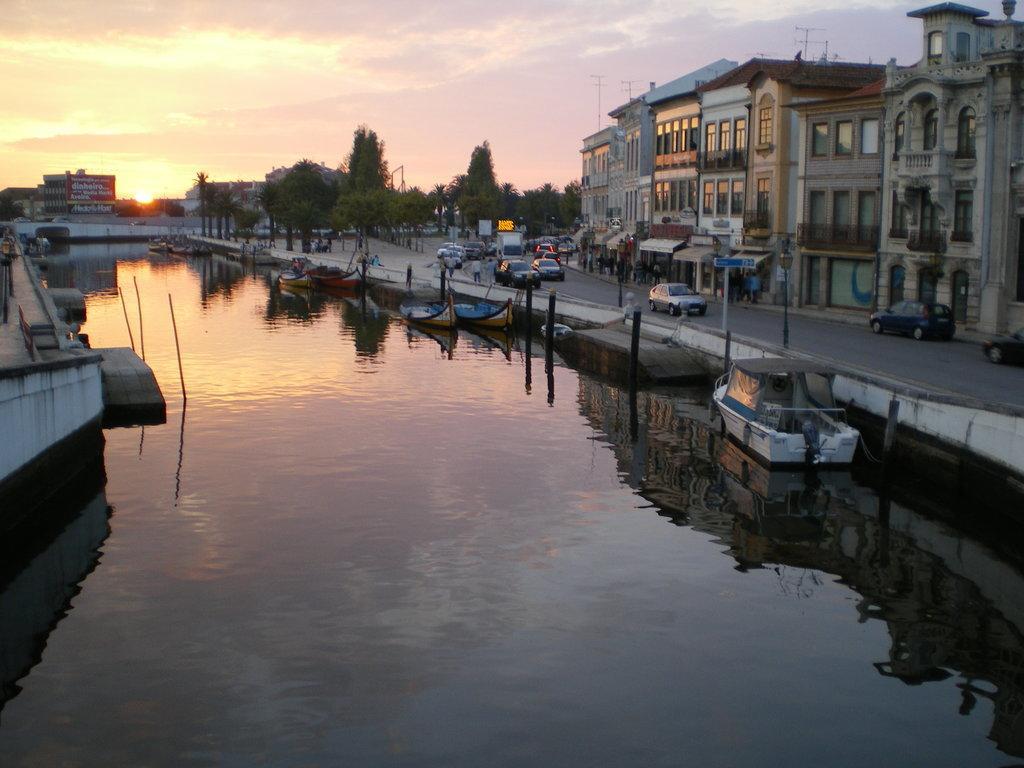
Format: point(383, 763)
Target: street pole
point(785, 314)
point(725, 300)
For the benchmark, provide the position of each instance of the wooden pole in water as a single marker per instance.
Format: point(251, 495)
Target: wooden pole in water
point(549, 335)
point(634, 354)
point(138, 300)
point(890, 431)
point(177, 346)
point(129, 325)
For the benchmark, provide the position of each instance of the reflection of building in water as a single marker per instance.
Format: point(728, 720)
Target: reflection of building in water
point(40, 576)
point(218, 276)
point(949, 601)
point(369, 330)
point(91, 274)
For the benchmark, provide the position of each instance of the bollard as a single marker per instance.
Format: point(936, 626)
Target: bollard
point(442, 281)
point(890, 432)
point(728, 349)
point(620, 291)
point(549, 336)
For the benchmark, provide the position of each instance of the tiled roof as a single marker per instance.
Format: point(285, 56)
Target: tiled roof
point(803, 74)
point(874, 89)
point(947, 8)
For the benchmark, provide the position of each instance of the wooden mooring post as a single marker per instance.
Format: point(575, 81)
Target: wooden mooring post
point(549, 335)
point(890, 432)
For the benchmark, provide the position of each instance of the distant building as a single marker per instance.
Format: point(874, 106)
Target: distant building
point(954, 169)
point(596, 154)
point(328, 174)
point(246, 193)
point(79, 193)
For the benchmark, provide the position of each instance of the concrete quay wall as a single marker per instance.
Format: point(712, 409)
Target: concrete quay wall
point(44, 404)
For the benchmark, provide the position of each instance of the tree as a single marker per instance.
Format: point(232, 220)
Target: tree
point(202, 181)
point(246, 220)
point(304, 184)
point(10, 208)
point(479, 198)
point(455, 190)
point(440, 200)
point(270, 198)
point(225, 206)
point(509, 199)
point(571, 203)
point(367, 168)
point(361, 210)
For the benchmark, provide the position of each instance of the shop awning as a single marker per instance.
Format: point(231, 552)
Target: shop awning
point(698, 254)
point(757, 256)
point(657, 245)
point(614, 238)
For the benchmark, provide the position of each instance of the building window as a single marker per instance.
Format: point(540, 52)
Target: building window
point(763, 195)
point(844, 137)
point(741, 133)
point(897, 283)
point(676, 144)
point(709, 197)
point(691, 194)
point(899, 130)
point(963, 46)
point(869, 137)
point(965, 131)
point(960, 284)
point(899, 217)
point(724, 136)
point(694, 134)
point(764, 125)
point(866, 205)
point(709, 141)
point(929, 216)
point(659, 141)
point(935, 48)
point(851, 283)
point(722, 198)
point(963, 216)
point(841, 209)
point(931, 129)
point(816, 208)
point(737, 198)
point(1020, 259)
point(814, 279)
point(819, 139)
point(927, 286)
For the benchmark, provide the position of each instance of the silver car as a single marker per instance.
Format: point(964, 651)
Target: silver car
point(676, 298)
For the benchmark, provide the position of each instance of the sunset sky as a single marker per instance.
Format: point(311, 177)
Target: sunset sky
point(154, 91)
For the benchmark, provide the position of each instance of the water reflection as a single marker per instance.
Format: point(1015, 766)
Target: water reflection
point(951, 607)
point(42, 571)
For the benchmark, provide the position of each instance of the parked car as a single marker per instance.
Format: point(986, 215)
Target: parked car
point(443, 250)
point(915, 318)
point(474, 249)
point(516, 273)
point(676, 298)
point(549, 269)
point(1005, 349)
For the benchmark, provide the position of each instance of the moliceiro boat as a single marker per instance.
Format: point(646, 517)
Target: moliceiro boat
point(334, 277)
point(440, 315)
point(783, 412)
point(483, 314)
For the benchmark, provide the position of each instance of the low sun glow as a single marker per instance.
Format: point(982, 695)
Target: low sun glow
point(143, 196)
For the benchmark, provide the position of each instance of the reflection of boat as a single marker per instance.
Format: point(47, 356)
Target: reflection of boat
point(560, 331)
point(159, 246)
point(296, 291)
point(494, 338)
point(782, 410)
point(440, 315)
point(483, 314)
point(334, 277)
point(444, 338)
point(774, 484)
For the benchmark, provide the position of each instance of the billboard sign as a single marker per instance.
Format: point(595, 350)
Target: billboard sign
point(506, 225)
point(89, 193)
point(484, 228)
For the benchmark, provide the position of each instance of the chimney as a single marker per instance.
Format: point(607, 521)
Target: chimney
point(652, 85)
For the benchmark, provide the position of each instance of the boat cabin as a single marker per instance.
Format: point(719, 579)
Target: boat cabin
point(783, 393)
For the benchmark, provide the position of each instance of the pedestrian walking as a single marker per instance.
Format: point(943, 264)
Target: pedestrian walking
point(408, 277)
point(476, 271)
point(656, 273)
point(450, 263)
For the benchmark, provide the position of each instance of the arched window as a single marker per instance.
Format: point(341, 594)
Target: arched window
point(899, 131)
point(931, 129)
point(765, 113)
point(897, 279)
point(965, 133)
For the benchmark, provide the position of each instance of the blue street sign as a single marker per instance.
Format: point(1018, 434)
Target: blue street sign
point(734, 261)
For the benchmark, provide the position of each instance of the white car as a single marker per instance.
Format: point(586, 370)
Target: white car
point(676, 299)
point(454, 251)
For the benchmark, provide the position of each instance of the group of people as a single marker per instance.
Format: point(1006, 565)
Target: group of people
point(616, 266)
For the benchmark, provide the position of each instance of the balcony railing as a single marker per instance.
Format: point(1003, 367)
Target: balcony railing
point(928, 241)
point(676, 159)
point(756, 220)
point(961, 236)
point(917, 161)
point(723, 159)
point(898, 233)
point(847, 236)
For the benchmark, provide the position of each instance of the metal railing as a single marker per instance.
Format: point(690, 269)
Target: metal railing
point(791, 420)
point(26, 334)
point(848, 235)
point(723, 158)
point(899, 233)
point(756, 219)
point(927, 240)
point(961, 236)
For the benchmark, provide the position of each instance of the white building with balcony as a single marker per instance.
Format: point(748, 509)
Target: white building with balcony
point(954, 169)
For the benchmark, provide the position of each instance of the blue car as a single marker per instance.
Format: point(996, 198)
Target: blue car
point(915, 318)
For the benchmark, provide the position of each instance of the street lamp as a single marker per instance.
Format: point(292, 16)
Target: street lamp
point(786, 261)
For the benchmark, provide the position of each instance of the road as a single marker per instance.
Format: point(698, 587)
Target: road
point(953, 367)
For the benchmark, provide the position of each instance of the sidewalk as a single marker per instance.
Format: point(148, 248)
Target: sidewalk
point(836, 316)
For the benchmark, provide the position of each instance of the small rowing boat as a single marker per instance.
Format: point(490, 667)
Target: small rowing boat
point(294, 278)
point(334, 277)
point(439, 315)
point(483, 314)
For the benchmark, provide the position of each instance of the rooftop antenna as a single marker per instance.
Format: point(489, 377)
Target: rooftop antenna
point(807, 36)
point(627, 86)
point(598, 84)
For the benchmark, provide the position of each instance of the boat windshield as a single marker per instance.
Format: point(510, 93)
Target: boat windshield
point(814, 391)
point(744, 390)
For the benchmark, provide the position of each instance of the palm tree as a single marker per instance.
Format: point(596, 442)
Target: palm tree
point(456, 188)
point(439, 197)
point(509, 196)
point(270, 200)
point(224, 206)
point(201, 182)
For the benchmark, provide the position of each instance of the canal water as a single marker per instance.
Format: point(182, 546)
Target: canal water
point(363, 546)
